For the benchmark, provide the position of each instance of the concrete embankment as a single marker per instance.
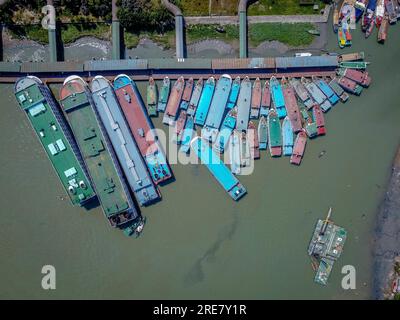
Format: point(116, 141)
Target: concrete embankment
point(387, 233)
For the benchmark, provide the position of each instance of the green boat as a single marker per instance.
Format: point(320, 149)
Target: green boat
point(354, 64)
point(164, 95)
point(51, 128)
point(152, 98)
point(274, 134)
point(308, 124)
point(98, 154)
point(325, 247)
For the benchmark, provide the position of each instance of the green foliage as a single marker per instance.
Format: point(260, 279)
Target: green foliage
point(32, 32)
point(397, 296)
point(202, 32)
point(72, 32)
point(282, 7)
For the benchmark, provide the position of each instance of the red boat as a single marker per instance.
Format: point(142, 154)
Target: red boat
point(349, 85)
point(254, 143)
point(383, 29)
point(298, 148)
point(174, 101)
point(358, 76)
point(291, 105)
point(180, 124)
point(256, 99)
point(187, 94)
point(319, 120)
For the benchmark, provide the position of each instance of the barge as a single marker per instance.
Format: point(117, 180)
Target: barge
point(277, 97)
point(301, 92)
point(243, 103)
point(171, 111)
point(327, 90)
point(338, 90)
point(274, 134)
point(228, 125)
point(288, 137)
point(292, 107)
point(256, 99)
point(361, 78)
point(204, 102)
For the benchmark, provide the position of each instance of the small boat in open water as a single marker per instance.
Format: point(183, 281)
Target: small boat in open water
point(187, 93)
point(194, 100)
point(228, 125)
point(204, 102)
point(263, 133)
point(187, 134)
point(298, 149)
point(253, 138)
point(152, 98)
point(274, 134)
point(265, 100)
point(287, 135)
point(164, 94)
point(171, 111)
point(233, 95)
point(256, 99)
point(243, 103)
point(277, 97)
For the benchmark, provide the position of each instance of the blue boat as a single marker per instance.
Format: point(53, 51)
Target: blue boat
point(233, 96)
point(287, 136)
point(187, 135)
point(217, 168)
point(243, 103)
point(204, 102)
point(327, 90)
point(277, 97)
point(217, 108)
point(360, 7)
point(263, 133)
point(127, 152)
point(228, 125)
point(317, 95)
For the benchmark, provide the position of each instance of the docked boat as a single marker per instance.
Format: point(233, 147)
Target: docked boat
point(187, 134)
point(204, 102)
point(298, 148)
point(318, 118)
point(309, 125)
point(360, 77)
point(245, 151)
point(368, 20)
point(326, 89)
point(335, 19)
point(355, 56)
point(256, 99)
point(194, 100)
point(128, 154)
point(217, 108)
point(349, 85)
point(277, 97)
point(274, 134)
point(187, 94)
point(354, 64)
point(164, 95)
point(344, 36)
point(152, 98)
point(253, 139)
point(379, 12)
point(360, 6)
point(234, 153)
point(287, 137)
point(317, 95)
point(292, 107)
point(243, 103)
point(179, 126)
point(142, 128)
point(391, 11)
point(263, 133)
point(228, 125)
point(97, 152)
point(338, 90)
point(302, 92)
point(383, 29)
point(52, 130)
point(174, 100)
point(233, 95)
point(265, 100)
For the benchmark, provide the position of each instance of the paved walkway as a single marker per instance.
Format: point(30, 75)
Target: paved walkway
point(223, 20)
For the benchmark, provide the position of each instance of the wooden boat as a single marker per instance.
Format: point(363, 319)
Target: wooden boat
point(256, 99)
point(265, 100)
point(390, 11)
point(292, 107)
point(194, 100)
point(274, 134)
point(263, 133)
point(383, 29)
point(287, 136)
point(298, 149)
point(152, 98)
point(309, 126)
point(352, 56)
point(164, 95)
point(179, 126)
point(253, 139)
point(319, 120)
point(174, 101)
point(187, 93)
point(379, 12)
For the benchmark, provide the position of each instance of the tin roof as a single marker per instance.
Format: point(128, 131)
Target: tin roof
point(109, 65)
point(248, 63)
point(306, 62)
point(189, 63)
point(10, 66)
point(60, 66)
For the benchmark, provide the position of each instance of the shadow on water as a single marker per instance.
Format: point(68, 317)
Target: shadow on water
point(92, 204)
point(196, 273)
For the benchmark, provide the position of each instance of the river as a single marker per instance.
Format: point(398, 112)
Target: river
point(198, 243)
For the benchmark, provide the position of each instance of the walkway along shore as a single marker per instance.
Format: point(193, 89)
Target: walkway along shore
point(387, 233)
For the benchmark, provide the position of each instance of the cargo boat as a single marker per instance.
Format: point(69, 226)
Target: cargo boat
point(287, 136)
point(301, 92)
point(152, 98)
point(233, 96)
point(326, 90)
point(379, 12)
point(243, 103)
point(234, 152)
point(204, 102)
point(349, 85)
point(102, 164)
point(319, 120)
point(354, 64)
point(142, 128)
point(217, 108)
point(179, 126)
point(164, 95)
point(383, 30)
point(187, 93)
point(56, 138)
point(187, 134)
point(352, 56)
point(338, 90)
point(390, 11)
point(298, 149)
point(171, 111)
point(256, 99)
point(326, 246)
point(218, 169)
point(253, 139)
point(316, 94)
point(194, 100)
point(125, 148)
point(265, 100)
point(274, 134)
point(309, 126)
point(292, 107)
point(362, 78)
point(263, 133)
point(277, 97)
point(228, 125)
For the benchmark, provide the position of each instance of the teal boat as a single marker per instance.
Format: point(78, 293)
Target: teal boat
point(354, 64)
point(233, 95)
point(187, 134)
point(287, 135)
point(263, 133)
point(277, 97)
point(308, 124)
point(228, 125)
point(204, 102)
point(274, 134)
point(164, 95)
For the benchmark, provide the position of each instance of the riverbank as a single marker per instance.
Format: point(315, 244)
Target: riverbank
point(387, 234)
